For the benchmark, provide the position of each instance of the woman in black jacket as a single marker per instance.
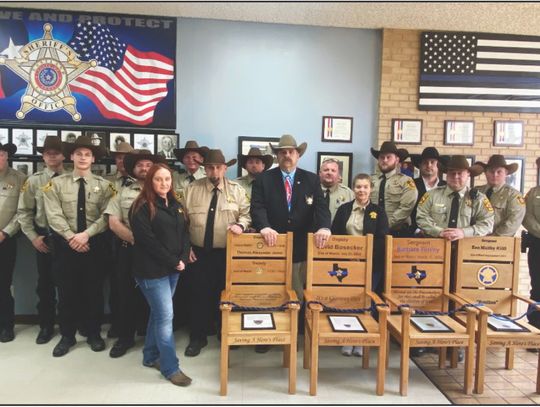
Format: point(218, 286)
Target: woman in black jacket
point(362, 217)
point(161, 252)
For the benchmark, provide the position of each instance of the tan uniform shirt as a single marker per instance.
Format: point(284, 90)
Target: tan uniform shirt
point(247, 183)
point(339, 194)
point(120, 204)
point(31, 211)
point(355, 224)
point(400, 196)
point(434, 207)
point(531, 221)
point(181, 180)
point(11, 182)
point(61, 195)
point(232, 207)
point(509, 207)
point(117, 179)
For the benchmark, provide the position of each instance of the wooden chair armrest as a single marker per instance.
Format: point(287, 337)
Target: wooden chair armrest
point(292, 295)
point(461, 301)
point(527, 300)
point(375, 297)
point(480, 308)
point(393, 301)
point(308, 296)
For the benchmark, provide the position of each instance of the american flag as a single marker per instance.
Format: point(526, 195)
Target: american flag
point(127, 84)
point(479, 72)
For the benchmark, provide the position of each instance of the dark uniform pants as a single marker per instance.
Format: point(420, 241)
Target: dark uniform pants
point(533, 258)
point(205, 279)
point(80, 286)
point(8, 253)
point(46, 288)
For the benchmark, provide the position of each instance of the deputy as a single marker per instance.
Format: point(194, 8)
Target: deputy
point(507, 202)
point(120, 178)
point(74, 206)
point(191, 155)
point(254, 162)
point(132, 307)
point(392, 190)
point(335, 193)
point(11, 182)
point(31, 214)
point(214, 206)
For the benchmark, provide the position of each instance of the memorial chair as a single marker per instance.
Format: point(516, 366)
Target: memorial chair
point(258, 281)
point(417, 283)
point(339, 285)
point(487, 273)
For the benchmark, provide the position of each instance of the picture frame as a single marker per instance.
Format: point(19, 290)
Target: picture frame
point(4, 135)
point(256, 321)
point(98, 138)
point(337, 129)
point(459, 132)
point(515, 180)
point(26, 167)
point(508, 133)
point(345, 161)
point(407, 131)
point(69, 136)
point(346, 323)
point(430, 324)
point(505, 324)
point(145, 141)
point(41, 134)
point(24, 140)
point(407, 168)
point(117, 138)
point(262, 143)
point(166, 150)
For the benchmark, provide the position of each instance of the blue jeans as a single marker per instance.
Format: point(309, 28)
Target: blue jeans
point(159, 343)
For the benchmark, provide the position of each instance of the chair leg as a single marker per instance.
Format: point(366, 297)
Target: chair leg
point(480, 365)
point(381, 368)
point(387, 351)
point(307, 348)
point(292, 366)
point(365, 358)
point(224, 367)
point(538, 375)
point(404, 368)
point(314, 368)
point(286, 355)
point(442, 358)
point(468, 371)
point(509, 363)
point(454, 357)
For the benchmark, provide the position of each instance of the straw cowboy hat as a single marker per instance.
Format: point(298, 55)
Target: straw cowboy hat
point(122, 148)
point(288, 141)
point(131, 159)
point(497, 161)
point(389, 147)
point(216, 157)
point(428, 153)
point(254, 152)
point(191, 145)
point(83, 142)
point(51, 143)
point(9, 148)
point(459, 162)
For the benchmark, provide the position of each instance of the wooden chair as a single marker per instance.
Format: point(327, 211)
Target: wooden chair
point(417, 283)
point(259, 280)
point(488, 273)
point(339, 282)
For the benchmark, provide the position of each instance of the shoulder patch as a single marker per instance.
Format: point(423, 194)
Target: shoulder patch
point(521, 200)
point(47, 187)
point(424, 198)
point(487, 205)
point(411, 184)
point(112, 189)
point(25, 186)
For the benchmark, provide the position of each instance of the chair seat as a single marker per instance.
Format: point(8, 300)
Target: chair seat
point(327, 336)
point(279, 336)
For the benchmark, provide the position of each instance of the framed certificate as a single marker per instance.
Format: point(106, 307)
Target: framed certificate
point(345, 323)
point(515, 180)
point(459, 132)
point(337, 128)
point(430, 324)
point(406, 131)
point(508, 133)
point(505, 324)
point(257, 321)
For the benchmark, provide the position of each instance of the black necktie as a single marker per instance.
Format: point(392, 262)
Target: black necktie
point(55, 175)
point(81, 207)
point(489, 192)
point(191, 178)
point(454, 211)
point(327, 196)
point(209, 230)
point(381, 191)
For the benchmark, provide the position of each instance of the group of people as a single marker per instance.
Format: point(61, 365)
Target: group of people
point(162, 228)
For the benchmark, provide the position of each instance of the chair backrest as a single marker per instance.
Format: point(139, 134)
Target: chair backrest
point(338, 274)
point(257, 274)
point(418, 271)
point(487, 271)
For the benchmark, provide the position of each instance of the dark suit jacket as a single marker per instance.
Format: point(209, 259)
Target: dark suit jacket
point(309, 211)
point(421, 191)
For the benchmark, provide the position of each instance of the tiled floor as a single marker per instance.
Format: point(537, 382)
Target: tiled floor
point(29, 374)
point(516, 386)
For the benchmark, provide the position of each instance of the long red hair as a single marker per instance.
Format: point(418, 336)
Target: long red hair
point(148, 195)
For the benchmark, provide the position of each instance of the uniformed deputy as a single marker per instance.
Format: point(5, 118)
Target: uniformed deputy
point(335, 193)
point(531, 222)
point(393, 191)
point(120, 178)
point(254, 162)
point(191, 155)
point(132, 307)
point(214, 205)
point(11, 182)
point(31, 214)
point(507, 202)
point(74, 205)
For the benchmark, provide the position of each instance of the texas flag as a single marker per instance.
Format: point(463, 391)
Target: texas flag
point(13, 36)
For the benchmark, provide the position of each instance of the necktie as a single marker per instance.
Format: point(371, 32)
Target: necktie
point(191, 178)
point(381, 191)
point(489, 192)
point(327, 196)
point(288, 191)
point(209, 230)
point(81, 207)
point(55, 175)
point(454, 211)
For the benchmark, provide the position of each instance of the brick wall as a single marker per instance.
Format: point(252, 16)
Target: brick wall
point(399, 99)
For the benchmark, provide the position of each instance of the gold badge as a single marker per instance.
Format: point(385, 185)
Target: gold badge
point(180, 210)
point(96, 190)
point(230, 199)
point(423, 199)
point(468, 202)
point(25, 186)
point(521, 200)
point(411, 184)
point(487, 205)
point(178, 196)
point(47, 187)
point(309, 199)
point(373, 215)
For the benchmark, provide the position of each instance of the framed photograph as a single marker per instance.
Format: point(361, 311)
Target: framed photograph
point(98, 138)
point(337, 128)
point(257, 321)
point(166, 143)
point(99, 169)
point(409, 169)
point(459, 132)
point(117, 138)
point(40, 166)
point(112, 169)
point(262, 143)
point(508, 133)
point(407, 131)
point(26, 167)
point(144, 141)
point(345, 323)
point(344, 163)
point(515, 180)
point(69, 136)
point(505, 324)
point(4, 135)
point(430, 324)
point(24, 140)
point(41, 134)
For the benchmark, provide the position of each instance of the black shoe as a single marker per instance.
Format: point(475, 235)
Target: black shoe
point(113, 332)
point(45, 334)
point(63, 346)
point(194, 347)
point(120, 348)
point(7, 335)
point(96, 342)
point(416, 352)
point(262, 348)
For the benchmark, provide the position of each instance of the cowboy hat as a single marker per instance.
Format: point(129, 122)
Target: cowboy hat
point(83, 142)
point(131, 159)
point(389, 147)
point(254, 152)
point(288, 141)
point(497, 161)
point(191, 145)
point(51, 143)
point(216, 157)
point(122, 148)
point(459, 162)
point(9, 148)
point(428, 153)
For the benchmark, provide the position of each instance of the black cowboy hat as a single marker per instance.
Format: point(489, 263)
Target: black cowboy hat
point(9, 148)
point(459, 162)
point(428, 153)
point(389, 147)
point(191, 145)
point(131, 159)
point(51, 143)
point(254, 152)
point(498, 160)
point(83, 142)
